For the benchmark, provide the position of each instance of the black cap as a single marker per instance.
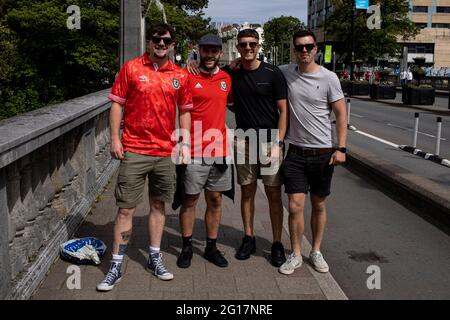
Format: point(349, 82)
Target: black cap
point(210, 40)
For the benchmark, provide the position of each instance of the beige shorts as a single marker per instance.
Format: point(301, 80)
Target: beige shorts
point(135, 169)
point(250, 166)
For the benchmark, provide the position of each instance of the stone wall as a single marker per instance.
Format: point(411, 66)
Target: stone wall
point(53, 163)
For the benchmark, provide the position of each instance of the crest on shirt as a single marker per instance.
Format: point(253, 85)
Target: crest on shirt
point(223, 86)
point(176, 84)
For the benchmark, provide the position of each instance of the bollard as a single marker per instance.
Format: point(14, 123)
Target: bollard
point(416, 129)
point(438, 136)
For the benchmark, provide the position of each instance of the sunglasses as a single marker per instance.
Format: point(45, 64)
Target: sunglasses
point(157, 40)
point(243, 45)
point(309, 47)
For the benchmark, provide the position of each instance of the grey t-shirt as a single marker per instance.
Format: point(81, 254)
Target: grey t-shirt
point(310, 95)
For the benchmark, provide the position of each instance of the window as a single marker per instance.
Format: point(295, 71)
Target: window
point(422, 25)
point(420, 47)
point(441, 25)
point(443, 9)
point(420, 9)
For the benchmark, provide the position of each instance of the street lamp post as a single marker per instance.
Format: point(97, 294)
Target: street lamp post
point(352, 63)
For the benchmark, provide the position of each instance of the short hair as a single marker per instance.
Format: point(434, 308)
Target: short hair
point(160, 29)
point(248, 33)
point(302, 34)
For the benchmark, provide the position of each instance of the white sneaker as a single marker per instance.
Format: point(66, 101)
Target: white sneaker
point(318, 262)
point(293, 262)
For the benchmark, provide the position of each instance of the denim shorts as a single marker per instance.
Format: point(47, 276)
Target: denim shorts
point(303, 174)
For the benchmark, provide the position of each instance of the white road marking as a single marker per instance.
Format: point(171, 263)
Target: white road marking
point(377, 139)
point(410, 130)
point(356, 115)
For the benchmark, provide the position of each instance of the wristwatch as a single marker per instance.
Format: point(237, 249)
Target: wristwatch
point(280, 143)
point(342, 149)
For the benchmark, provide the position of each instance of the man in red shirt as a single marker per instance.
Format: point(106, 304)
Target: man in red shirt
point(146, 94)
point(211, 90)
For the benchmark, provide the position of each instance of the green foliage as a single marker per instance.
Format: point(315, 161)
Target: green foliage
point(370, 44)
point(187, 5)
point(189, 28)
point(43, 62)
point(278, 32)
point(420, 61)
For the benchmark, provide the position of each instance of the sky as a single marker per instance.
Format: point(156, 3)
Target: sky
point(255, 11)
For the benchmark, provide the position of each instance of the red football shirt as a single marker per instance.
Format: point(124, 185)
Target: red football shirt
point(210, 95)
point(150, 96)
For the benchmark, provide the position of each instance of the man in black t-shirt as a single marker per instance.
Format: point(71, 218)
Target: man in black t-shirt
point(260, 106)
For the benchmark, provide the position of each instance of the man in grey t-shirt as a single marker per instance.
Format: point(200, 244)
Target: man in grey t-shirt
point(313, 92)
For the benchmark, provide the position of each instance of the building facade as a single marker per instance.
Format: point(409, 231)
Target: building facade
point(431, 16)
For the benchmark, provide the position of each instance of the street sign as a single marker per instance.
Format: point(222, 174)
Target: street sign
point(328, 50)
point(362, 4)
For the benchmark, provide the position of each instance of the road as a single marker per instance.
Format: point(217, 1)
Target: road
point(375, 121)
point(366, 227)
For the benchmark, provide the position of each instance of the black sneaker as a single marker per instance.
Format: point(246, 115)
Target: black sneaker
point(184, 259)
point(247, 247)
point(278, 256)
point(216, 257)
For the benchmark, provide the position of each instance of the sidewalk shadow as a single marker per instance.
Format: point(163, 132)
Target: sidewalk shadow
point(137, 249)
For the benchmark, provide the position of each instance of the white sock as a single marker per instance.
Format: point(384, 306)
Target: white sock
point(117, 258)
point(154, 250)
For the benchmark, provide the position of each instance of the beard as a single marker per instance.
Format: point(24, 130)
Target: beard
point(203, 65)
point(159, 56)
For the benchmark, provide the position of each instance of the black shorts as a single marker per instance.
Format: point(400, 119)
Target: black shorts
point(308, 173)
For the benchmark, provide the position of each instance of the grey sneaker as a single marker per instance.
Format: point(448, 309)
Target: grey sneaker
point(293, 262)
point(318, 262)
point(113, 277)
point(156, 266)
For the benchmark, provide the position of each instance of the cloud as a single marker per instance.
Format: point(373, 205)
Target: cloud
point(255, 11)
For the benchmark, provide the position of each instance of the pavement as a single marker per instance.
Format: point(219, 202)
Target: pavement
point(440, 106)
point(242, 280)
point(253, 279)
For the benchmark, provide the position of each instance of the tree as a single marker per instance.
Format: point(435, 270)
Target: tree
point(278, 34)
point(371, 44)
point(56, 63)
point(43, 62)
point(189, 28)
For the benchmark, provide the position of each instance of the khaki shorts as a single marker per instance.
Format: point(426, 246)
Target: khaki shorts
point(206, 176)
point(133, 171)
point(249, 171)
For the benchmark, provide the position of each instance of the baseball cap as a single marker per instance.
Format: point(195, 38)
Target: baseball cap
point(210, 40)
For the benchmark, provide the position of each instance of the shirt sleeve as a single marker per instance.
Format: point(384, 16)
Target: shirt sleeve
point(230, 101)
point(184, 100)
point(334, 89)
point(120, 88)
point(280, 86)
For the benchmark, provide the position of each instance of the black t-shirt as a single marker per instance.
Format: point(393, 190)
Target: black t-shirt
point(255, 96)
